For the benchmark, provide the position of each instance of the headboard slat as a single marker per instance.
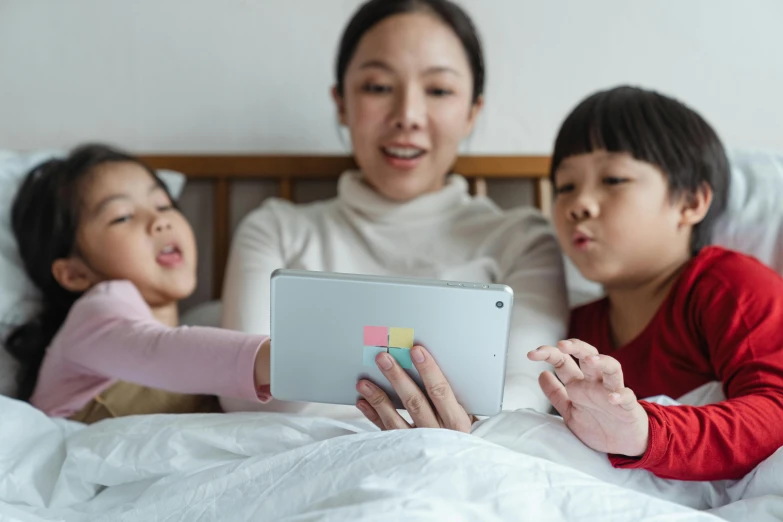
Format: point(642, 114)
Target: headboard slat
point(288, 169)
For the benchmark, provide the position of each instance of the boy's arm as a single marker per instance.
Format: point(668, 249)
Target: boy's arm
point(742, 325)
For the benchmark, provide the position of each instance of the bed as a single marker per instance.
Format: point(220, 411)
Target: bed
point(515, 466)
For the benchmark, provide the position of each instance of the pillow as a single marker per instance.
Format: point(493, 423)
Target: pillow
point(753, 220)
point(18, 297)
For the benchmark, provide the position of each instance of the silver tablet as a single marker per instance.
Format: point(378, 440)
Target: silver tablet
point(328, 328)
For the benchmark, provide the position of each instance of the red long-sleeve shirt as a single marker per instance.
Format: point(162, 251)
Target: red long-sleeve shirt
point(722, 321)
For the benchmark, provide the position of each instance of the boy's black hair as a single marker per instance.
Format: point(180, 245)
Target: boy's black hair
point(656, 129)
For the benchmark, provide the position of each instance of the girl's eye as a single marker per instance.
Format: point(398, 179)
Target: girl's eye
point(165, 208)
point(562, 189)
point(375, 88)
point(440, 92)
point(121, 219)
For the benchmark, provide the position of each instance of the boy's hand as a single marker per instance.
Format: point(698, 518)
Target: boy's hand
point(591, 397)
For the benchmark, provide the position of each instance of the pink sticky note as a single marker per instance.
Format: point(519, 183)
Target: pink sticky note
point(376, 336)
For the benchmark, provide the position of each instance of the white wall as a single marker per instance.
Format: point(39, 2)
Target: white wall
point(253, 75)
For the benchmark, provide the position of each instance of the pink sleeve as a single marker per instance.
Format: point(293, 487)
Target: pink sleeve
point(111, 332)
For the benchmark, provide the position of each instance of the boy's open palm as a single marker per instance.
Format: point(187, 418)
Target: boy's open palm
point(595, 404)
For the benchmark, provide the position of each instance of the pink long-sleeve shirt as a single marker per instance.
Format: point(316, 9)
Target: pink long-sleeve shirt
point(111, 335)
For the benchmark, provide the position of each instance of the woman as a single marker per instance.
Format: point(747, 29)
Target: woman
point(409, 87)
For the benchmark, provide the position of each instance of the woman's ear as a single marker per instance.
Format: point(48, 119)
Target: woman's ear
point(475, 110)
point(339, 102)
point(73, 274)
point(696, 205)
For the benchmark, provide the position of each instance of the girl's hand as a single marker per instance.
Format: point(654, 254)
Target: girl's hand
point(438, 409)
point(591, 397)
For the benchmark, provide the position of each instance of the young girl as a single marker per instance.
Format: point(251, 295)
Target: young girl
point(104, 243)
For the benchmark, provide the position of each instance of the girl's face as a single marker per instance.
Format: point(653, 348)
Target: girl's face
point(407, 102)
point(128, 229)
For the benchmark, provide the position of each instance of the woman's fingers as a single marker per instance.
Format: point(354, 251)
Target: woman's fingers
point(369, 413)
point(379, 402)
point(411, 396)
point(439, 391)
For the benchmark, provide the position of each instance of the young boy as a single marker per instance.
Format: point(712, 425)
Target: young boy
point(639, 181)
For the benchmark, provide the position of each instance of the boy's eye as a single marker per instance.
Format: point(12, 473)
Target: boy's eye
point(611, 180)
point(121, 219)
point(376, 88)
point(562, 189)
point(439, 92)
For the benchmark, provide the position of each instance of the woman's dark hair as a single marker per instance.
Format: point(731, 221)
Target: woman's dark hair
point(658, 130)
point(44, 218)
point(375, 11)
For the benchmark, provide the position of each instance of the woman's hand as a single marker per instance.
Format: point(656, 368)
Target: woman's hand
point(592, 398)
point(437, 409)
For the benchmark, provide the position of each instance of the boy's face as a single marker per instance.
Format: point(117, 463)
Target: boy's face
point(616, 220)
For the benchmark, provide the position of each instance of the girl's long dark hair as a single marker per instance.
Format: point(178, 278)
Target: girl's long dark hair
point(44, 218)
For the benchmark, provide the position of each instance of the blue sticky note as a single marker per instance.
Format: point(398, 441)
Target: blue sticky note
point(402, 356)
point(369, 353)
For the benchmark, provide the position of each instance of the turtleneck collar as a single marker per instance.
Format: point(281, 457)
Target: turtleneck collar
point(356, 195)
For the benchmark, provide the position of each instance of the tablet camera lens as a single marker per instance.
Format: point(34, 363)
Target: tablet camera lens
point(499, 304)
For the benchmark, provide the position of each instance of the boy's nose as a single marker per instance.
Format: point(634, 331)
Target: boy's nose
point(583, 209)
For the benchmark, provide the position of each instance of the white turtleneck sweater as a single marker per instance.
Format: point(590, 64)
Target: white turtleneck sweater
point(442, 235)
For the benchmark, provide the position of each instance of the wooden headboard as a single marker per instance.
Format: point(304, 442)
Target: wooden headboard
point(221, 170)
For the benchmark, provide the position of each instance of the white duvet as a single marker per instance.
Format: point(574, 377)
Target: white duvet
point(255, 466)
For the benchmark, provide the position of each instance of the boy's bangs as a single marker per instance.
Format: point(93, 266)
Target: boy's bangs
point(610, 121)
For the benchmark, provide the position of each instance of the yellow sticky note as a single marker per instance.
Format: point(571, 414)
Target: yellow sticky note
point(401, 337)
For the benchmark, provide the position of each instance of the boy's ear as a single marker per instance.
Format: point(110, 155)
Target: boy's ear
point(696, 205)
point(72, 274)
point(340, 104)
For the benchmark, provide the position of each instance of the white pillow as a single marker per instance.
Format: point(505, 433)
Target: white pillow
point(753, 221)
point(18, 296)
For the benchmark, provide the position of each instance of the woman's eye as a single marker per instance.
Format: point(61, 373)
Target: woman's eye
point(376, 88)
point(562, 189)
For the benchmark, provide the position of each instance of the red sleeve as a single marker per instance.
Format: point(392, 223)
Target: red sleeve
point(739, 317)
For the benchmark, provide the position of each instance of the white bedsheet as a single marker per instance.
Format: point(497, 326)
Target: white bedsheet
point(253, 466)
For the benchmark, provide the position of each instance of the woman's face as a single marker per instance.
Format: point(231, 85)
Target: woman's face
point(407, 102)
